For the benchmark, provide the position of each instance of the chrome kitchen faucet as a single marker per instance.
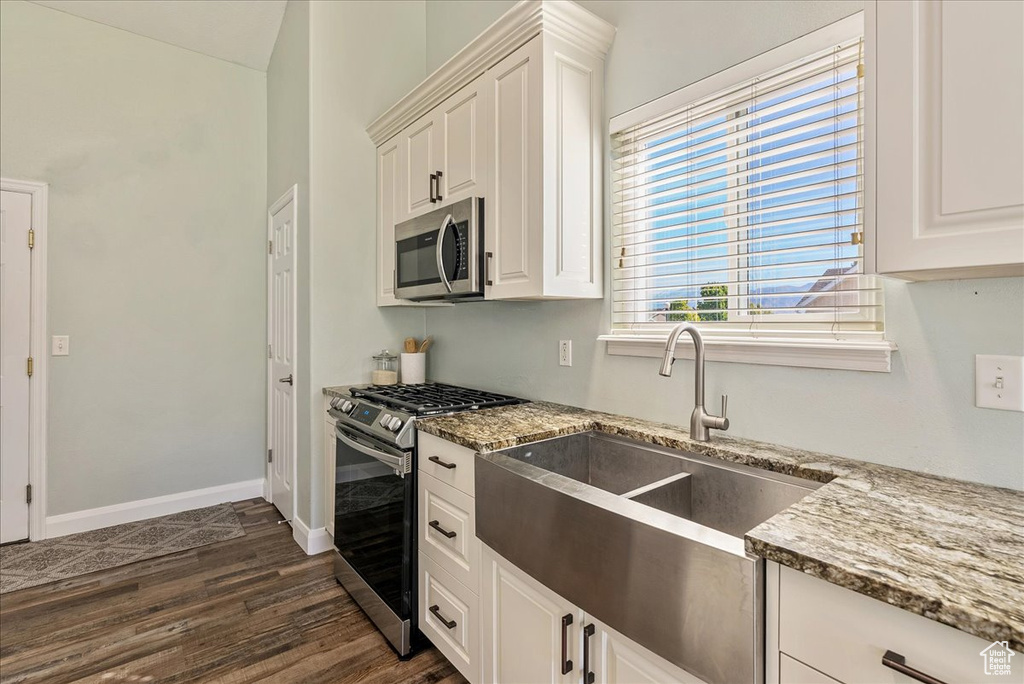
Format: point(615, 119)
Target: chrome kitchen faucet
point(701, 422)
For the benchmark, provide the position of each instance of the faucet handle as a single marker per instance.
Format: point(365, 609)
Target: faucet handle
point(725, 405)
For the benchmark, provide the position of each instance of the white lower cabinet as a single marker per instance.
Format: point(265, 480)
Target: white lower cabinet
point(830, 634)
point(525, 625)
point(448, 613)
point(531, 635)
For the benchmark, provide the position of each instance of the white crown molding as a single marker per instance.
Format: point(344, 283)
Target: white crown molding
point(561, 18)
point(866, 355)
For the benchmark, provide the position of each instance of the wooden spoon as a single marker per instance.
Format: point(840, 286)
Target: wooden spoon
point(410, 345)
point(426, 344)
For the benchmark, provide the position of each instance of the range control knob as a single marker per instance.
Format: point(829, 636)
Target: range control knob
point(395, 424)
point(335, 401)
point(385, 420)
point(347, 406)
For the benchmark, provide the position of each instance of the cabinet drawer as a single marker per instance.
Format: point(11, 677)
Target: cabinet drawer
point(452, 626)
point(845, 634)
point(447, 530)
point(794, 672)
point(451, 464)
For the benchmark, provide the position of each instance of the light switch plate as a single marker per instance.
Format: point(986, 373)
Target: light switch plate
point(999, 382)
point(565, 352)
point(61, 345)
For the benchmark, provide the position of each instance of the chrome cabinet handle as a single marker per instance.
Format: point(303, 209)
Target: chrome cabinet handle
point(437, 526)
point(290, 380)
point(487, 268)
point(566, 663)
point(588, 676)
point(440, 256)
point(436, 610)
point(435, 459)
point(894, 661)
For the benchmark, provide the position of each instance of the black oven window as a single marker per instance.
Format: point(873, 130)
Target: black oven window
point(372, 528)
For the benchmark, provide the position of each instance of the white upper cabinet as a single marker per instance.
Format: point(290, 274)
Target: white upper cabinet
point(515, 118)
point(388, 198)
point(544, 202)
point(945, 82)
point(441, 155)
point(463, 160)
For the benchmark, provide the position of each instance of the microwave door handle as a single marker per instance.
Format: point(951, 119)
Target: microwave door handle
point(440, 255)
point(396, 462)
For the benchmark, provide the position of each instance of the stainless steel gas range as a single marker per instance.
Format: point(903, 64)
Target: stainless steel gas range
point(375, 495)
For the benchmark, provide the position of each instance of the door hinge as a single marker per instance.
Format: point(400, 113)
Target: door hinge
point(29, 369)
point(270, 246)
point(31, 238)
point(270, 351)
point(270, 455)
point(28, 493)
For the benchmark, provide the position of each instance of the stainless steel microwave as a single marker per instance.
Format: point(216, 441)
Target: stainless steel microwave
point(439, 255)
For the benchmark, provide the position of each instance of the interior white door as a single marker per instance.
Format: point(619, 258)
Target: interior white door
point(282, 417)
point(15, 320)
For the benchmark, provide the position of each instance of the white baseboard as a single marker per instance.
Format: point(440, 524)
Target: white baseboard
point(143, 509)
point(311, 541)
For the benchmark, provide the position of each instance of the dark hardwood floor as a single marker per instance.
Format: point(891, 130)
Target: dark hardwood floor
point(250, 609)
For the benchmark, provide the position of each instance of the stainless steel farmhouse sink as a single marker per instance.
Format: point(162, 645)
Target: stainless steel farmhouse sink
point(646, 539)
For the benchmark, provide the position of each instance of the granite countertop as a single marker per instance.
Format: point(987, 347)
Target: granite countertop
point(338, 391)
point(949, 550)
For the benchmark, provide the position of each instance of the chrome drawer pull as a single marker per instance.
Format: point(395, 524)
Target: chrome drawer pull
point(437, 526)
point(450, 624)
point(895, 661)
point(435, 459)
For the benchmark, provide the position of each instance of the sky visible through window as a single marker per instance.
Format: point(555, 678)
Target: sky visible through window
point(766, 207)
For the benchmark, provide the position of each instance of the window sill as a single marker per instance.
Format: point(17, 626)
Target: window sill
point(859, 355)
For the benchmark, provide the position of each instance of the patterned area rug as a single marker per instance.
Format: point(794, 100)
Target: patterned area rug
point(35, 563)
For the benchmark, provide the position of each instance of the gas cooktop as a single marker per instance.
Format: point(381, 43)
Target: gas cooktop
point(432, 398)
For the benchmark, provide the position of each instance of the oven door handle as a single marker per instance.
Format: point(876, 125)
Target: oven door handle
point(440, 255)
point(396, 462)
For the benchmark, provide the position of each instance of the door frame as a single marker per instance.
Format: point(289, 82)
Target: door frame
point(40, 354)
point(290, 195)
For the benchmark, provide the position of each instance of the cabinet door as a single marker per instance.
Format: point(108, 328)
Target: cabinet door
point(514, 223)
point(523, 627)
point(388, 192)
point(618, 660)
point(462, 159)
point(948, 87)
point(329, 466)
point(418, 155)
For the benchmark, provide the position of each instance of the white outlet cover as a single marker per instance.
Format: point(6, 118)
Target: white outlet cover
point(565, 352)
point(988, 370)
point(60, 345)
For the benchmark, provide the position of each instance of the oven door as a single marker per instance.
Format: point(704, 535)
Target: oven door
point(438, 255)
point(374, 528)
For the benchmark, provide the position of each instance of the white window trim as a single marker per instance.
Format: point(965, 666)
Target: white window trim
point(871, 354)
point(858, 355)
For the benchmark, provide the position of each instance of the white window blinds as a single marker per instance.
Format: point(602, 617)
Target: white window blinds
point(743, 211)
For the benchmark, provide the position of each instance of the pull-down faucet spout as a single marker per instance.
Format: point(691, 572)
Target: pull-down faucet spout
point(701, 422)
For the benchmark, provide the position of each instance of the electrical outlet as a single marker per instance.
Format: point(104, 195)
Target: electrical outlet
point(999, 382)
point(61, 345)
point(565, 352)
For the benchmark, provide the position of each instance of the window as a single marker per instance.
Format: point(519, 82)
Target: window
point(738, 203)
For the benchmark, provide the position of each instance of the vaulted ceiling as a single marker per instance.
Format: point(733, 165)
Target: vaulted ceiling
point(239, 31)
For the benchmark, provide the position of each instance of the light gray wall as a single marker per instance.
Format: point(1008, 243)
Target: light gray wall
point(919, 416)
point(156, 160)
point(364, 56)
point(287, 165)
